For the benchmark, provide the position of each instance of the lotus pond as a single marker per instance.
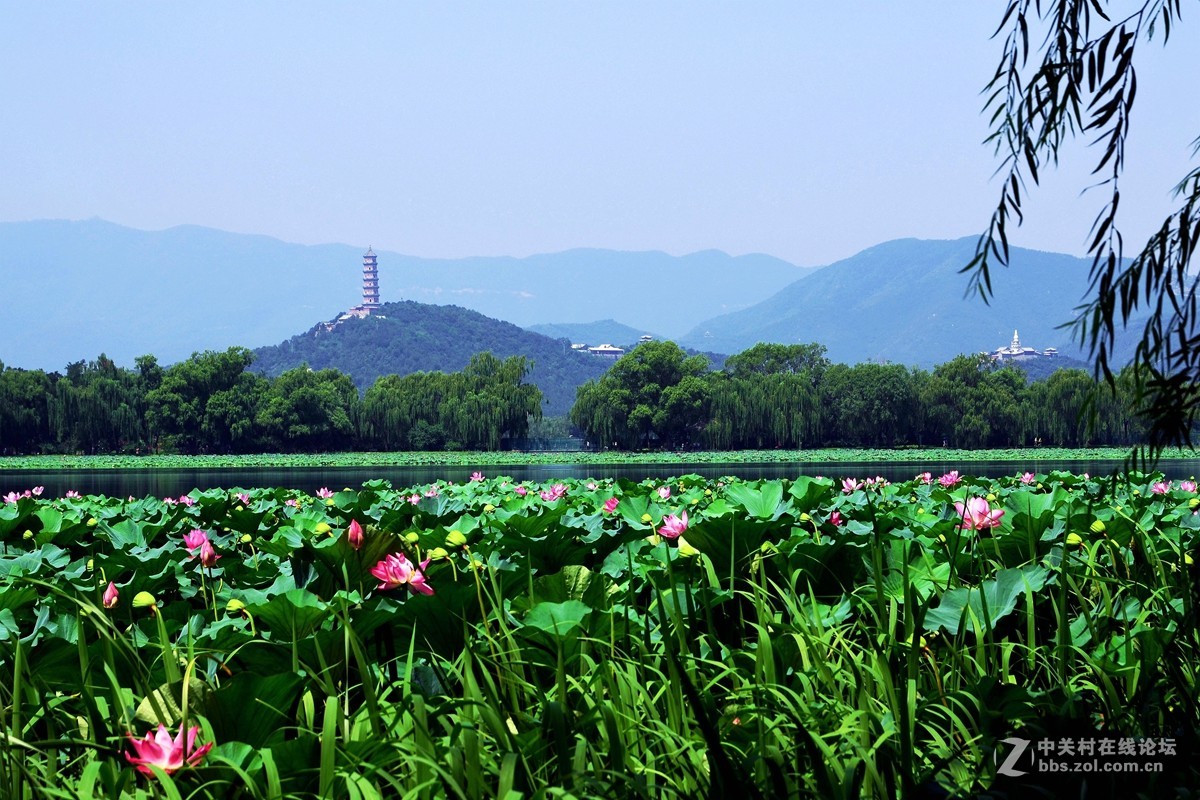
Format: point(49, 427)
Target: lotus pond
point(610, 638)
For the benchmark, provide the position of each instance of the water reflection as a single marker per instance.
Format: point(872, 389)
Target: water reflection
point(164, 483)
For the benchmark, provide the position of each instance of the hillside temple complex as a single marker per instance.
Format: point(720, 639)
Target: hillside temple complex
point(370, 294)
point(1017, 351)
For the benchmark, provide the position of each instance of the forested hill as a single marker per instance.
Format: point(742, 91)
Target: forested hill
point(411, 337)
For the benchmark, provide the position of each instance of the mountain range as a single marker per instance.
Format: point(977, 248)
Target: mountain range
point(903, 301)
point(74, 289)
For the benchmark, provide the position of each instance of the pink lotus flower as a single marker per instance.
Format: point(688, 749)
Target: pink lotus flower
point(522, 491)
point(11, 497)
point(432, 491)
point(850, 485)
point(171, 501)
point(1161, 487)
point(37, 491)
point(836, 518)
point(186, 500)
point(324, 493)
point(591, 487)
point(291, 503)
point(243, 498)
point(208, 556)
point(354, 534)
point(925, 477)
point(610, 505)
point(110, 596)
point(673, 527)
point(664, 492)
point(950, 478)
point(160, 750)
point(194, 539)
point(1028, 478)
point(977, 515)
point(476, 477)
point(555, 492)
point(414, 499)
point(396, 570)
point(72, 494)
point(1188, 486)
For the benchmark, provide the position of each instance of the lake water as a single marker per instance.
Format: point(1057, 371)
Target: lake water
point(174, 482)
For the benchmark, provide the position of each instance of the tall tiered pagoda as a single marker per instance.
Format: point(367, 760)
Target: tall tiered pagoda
point(370, 282)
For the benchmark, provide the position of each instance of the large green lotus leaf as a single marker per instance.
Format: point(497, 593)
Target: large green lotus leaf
point(9, 629)
point(49, 557)
point(282, 542)
point(964, 606)
point(12, 515)
point(51, 519)
point(251, 708)
point(123, 534)
point(925, 573)
point(762, 502)
point(290, 616)
point(809, 493)
point(557, 619)
point(573, 583)
point(729, 542)
point(164, 705)
point(633, 507)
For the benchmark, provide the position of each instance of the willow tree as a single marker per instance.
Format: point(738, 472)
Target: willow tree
point(1067, 76)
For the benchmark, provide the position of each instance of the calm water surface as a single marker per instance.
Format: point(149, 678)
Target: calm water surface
point(164, 483)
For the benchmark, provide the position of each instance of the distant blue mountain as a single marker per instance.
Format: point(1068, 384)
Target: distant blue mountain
point(75, 289)
point(903, 301)
point(605, 331)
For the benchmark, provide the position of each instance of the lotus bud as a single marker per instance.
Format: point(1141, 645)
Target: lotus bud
point(1098, 526)
point(488, 508)
point(246, 538)
point(455, 538)
point(354, 534)
point(323, 527)
point(436, 554)
point(412, 537)
point(144, 600)
point(1074, 539)
point(1195, 501)
point(685, 549)
point(1187, 559)
point(28, 534)
point(91, 563)
point(235, 606)
point(110, 596)
point(804, 517)
point(646, 518)
point(92, 522)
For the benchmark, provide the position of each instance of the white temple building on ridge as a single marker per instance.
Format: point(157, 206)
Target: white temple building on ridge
point(1016, 350)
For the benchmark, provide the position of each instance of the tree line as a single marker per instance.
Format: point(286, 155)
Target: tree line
point(791, 396)
point(656, 396)
point(212, 403)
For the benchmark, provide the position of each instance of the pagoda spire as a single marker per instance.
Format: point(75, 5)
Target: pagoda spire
point(370, 281)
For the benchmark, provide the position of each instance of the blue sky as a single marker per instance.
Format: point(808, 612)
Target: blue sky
point(805, 130)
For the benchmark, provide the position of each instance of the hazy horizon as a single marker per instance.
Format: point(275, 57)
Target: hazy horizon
point(466, 129)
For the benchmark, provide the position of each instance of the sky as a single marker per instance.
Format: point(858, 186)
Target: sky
point(808, 131)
